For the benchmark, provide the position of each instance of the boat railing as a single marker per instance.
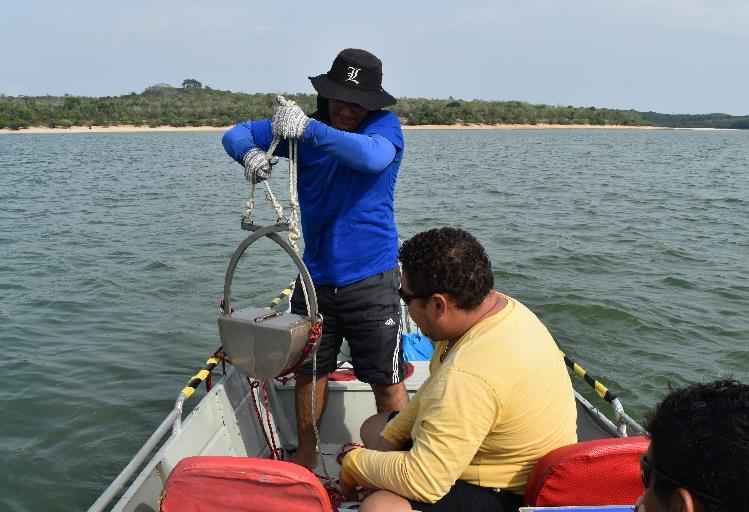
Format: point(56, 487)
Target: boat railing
point(172, 421)
point(623, 420)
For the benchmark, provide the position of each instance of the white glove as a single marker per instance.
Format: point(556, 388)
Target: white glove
point(257, 165)
point(289, 121)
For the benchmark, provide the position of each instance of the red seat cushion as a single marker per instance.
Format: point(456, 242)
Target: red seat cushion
point(242, 484)
point(599, 472)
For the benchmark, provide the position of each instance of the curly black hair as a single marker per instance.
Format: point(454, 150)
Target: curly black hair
point(700, 437)
point(448, 260)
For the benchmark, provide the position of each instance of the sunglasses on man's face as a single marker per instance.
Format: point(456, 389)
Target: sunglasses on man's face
point(646, 474)
point(346, 104)
point(407, 298)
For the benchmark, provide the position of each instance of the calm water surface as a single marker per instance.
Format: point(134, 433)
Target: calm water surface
point(630, 245)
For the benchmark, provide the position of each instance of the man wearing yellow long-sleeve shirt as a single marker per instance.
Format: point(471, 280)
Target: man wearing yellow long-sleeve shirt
point(498, 396)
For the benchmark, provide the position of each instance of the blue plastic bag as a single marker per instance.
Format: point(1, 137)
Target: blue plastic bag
point(417, 347)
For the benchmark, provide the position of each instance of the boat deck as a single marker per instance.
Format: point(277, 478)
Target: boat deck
point(328, 469)
point(232, 418)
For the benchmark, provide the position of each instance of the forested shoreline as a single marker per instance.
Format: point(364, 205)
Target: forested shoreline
point(193, 104)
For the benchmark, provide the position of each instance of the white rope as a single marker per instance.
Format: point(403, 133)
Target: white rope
point(280, 217)
point(294, 233)
point(293, 220)
point(250, 205)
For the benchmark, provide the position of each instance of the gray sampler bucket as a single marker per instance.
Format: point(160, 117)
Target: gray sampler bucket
point(261, 343)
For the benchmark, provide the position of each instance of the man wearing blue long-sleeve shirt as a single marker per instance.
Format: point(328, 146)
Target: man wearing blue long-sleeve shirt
point(349, 155)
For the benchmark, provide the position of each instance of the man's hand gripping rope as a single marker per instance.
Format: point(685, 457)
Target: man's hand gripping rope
point(288, 122)
point(258, 165)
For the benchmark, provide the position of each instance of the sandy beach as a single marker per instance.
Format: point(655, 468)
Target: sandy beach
point(130, 128)
point(539, 126)
point(116, 129)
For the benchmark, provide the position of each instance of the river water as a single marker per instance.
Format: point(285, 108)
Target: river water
point(630, 245)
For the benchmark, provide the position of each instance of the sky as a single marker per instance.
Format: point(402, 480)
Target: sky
point(669, 56)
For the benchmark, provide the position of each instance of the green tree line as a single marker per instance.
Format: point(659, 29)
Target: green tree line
point(193, 104)
point(697, 120)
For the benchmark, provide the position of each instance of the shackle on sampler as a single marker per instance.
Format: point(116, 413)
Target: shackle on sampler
point(264, 344)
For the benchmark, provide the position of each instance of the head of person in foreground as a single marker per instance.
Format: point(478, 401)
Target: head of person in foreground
point(698, 459)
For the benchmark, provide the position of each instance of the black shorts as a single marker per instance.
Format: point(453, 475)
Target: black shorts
point(367, 314)
point(469, 497)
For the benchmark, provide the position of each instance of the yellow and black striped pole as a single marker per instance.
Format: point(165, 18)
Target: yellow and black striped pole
point(622, 418)
point(211, 363)
point(285, 293)
point(199, 377)
point(602, 390)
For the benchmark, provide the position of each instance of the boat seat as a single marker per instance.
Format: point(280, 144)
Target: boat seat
point(589, 473)
point(242, 484)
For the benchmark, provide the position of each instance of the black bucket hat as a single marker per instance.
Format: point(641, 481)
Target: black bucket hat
point(354, 77)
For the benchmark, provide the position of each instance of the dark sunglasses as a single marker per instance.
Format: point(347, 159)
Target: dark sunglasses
point(407, 298)
point(647, 471)
point(354, 105)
